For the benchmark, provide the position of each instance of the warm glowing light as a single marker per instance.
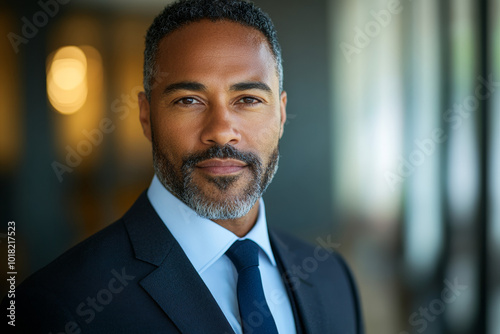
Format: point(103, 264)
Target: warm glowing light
point(68, 73)
point(67, 79)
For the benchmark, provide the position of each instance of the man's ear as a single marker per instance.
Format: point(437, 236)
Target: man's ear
point(283, 112)
point(145, 115)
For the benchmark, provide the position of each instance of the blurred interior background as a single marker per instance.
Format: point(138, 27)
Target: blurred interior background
point(391, 148)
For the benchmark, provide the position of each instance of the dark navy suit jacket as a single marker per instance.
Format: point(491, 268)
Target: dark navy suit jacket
point(133, 277)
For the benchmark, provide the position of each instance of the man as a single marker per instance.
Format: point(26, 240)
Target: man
point(194, 254)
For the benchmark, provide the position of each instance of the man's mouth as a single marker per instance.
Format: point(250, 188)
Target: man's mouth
point(221, 166)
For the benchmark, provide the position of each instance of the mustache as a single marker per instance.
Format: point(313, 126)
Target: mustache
point(221, 152)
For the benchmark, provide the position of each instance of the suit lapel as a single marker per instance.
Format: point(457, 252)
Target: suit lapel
point(175, 285)
point(301, 287)
point(181, 293)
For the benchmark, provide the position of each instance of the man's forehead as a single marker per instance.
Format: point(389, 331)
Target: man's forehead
point(207, 50)
point(215, 31)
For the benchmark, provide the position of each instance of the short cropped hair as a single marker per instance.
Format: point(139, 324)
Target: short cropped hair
point(183, 12)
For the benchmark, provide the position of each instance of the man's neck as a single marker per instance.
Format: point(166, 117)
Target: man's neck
point(241, 226)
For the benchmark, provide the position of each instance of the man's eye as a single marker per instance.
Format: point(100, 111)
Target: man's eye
point(187, 100)
point(249, 100)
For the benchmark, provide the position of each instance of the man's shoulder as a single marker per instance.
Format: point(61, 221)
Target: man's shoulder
point(107, 248)
point(324, 245)
point(320, 261)
point(321, 276)
point(86, 258)
point(95, 270)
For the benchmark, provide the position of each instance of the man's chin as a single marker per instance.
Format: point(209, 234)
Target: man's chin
point(221, 208)
point(223, 185)
point(213, 192)
point(232, 201)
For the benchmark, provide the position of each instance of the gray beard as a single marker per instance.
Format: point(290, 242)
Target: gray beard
point(180, 182)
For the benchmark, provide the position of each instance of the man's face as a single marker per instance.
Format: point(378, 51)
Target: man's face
point(215, 117)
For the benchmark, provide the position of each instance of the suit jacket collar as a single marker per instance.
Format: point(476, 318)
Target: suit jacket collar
point(179, 290)
point(203, 240)
point(174, 284)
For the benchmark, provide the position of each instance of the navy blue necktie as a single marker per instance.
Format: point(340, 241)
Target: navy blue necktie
point(255, 315)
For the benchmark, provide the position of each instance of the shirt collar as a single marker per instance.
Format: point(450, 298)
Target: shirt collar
point(203, 240)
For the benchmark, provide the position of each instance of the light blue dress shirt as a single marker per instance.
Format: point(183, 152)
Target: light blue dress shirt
point(205, 244)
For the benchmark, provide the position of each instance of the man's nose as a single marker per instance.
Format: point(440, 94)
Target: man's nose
point(220, 127)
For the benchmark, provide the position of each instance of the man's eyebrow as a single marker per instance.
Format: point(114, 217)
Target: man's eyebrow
point(250, 85)
point(184, 85)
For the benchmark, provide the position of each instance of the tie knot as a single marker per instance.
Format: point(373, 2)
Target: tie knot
point(243, 254)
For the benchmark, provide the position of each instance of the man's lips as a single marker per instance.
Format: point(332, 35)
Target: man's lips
point(221, 166)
